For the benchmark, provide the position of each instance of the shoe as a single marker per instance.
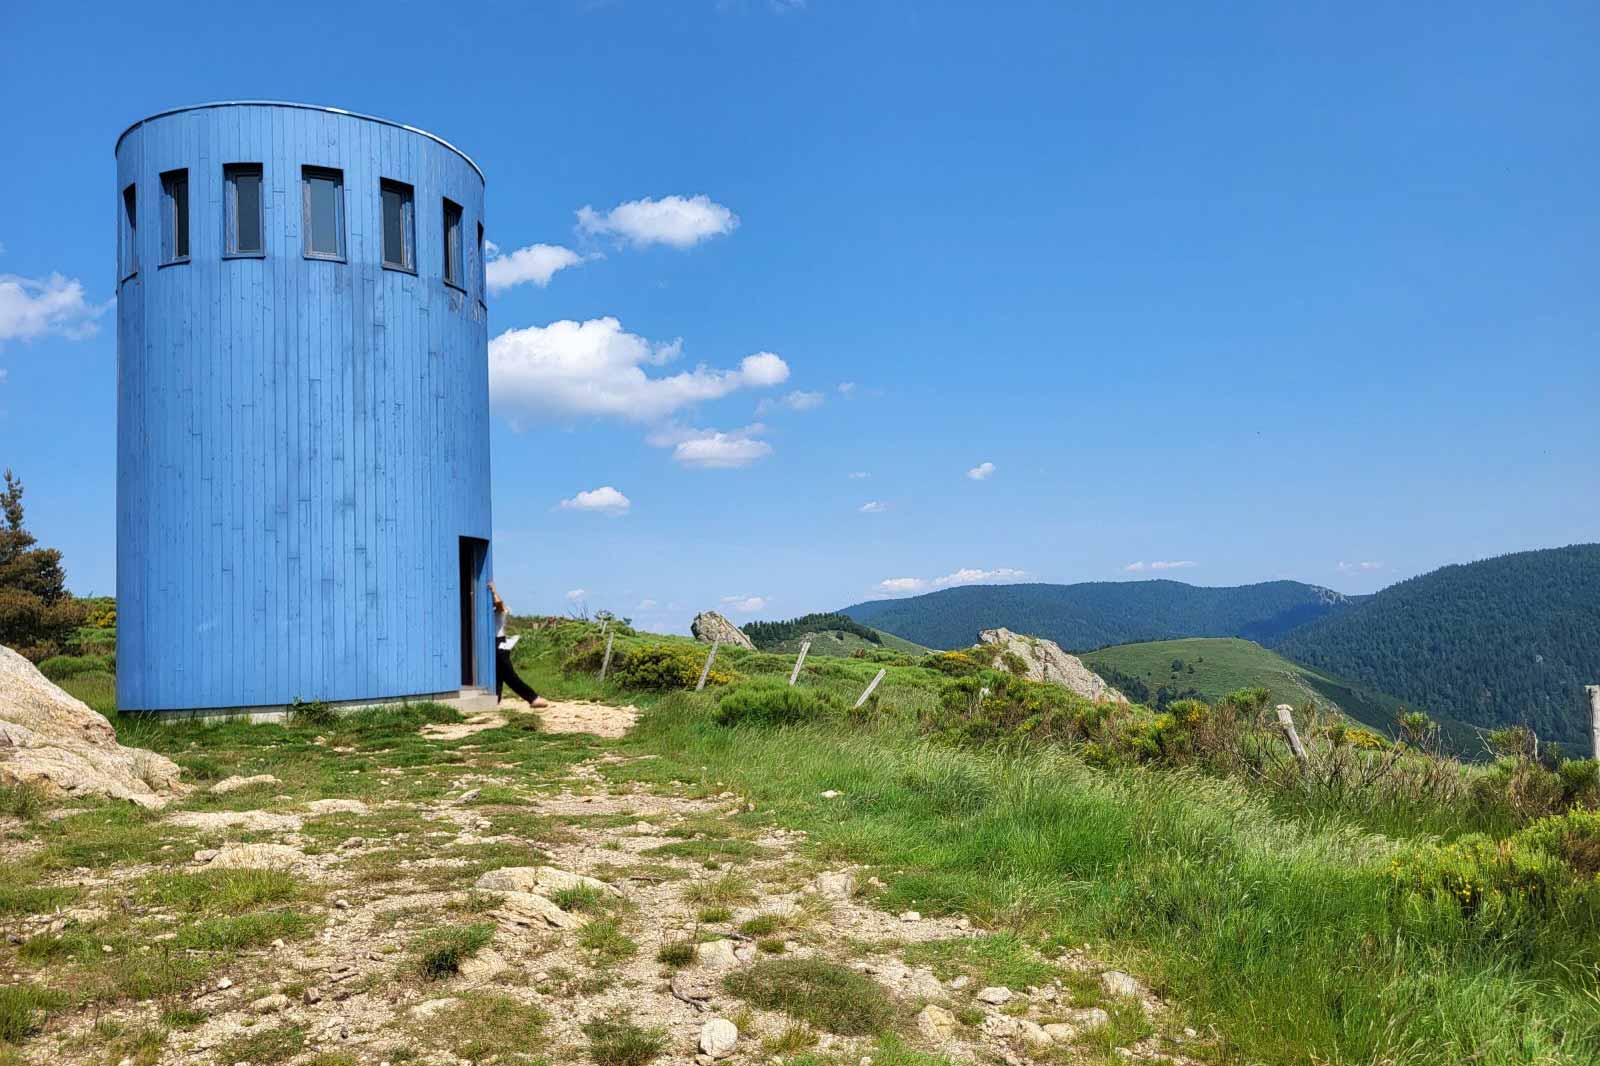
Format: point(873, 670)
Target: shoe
point(539, 703)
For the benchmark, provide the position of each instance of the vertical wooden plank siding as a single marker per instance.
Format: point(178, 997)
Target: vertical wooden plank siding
point(301, 443)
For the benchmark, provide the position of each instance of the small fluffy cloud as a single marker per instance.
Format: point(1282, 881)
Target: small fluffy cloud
point(744, 604)
point(646, 605)
point(1160, 564)
point(535, 264)
point(575, 595)
point(677, 221)
point(846, 388)
point(712, 449)
point(859, 475)
point(31, 308)
point(873, 507)
point(604, 500)
point(795, 401)
point(981, 472)
point(597, 368)
point(965, 576)
point(1366, 566)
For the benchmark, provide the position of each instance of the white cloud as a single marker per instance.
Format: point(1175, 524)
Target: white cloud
point(712, 449)
point(873, 507)
point(1134, 568)
point(795, 401)
point(646, 605)
point(965, 576)
point(673, 220)
point(574, 595)
point(744, 604)
point(537, 263)
point(1161, 564)
point(597, 368)
point(846, 388)
point(4, 373)
point(1365, 566)
point(605, 500)
point(31, 308)
point(981, 472)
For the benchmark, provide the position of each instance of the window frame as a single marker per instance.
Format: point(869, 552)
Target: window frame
point(483, 267)
point(307, 174)
point(128, 232)
point(231, 172)
point(170, 220)
point(454, 267)
point(408, 226)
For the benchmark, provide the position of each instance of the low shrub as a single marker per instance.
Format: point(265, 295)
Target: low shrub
point(440, 952)
point(60, 667)
point(615, 1041)
point(954, 663)
point(767, 701)
point(666, 666)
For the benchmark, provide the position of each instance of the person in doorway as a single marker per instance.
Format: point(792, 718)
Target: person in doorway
point(504, 673)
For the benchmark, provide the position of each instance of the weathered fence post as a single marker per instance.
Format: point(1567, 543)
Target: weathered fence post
point(1594, 717)
point(873, 684)
point(800, 660)
point(705, 671)
point(1286, 721)
point(605, 664)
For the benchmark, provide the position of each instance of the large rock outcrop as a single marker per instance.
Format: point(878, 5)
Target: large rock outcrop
point(1045, 661)
point(709, 626)
point(56, 742)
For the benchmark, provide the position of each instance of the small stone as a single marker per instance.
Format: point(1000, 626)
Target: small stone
point(910, 916)
point(311, 995)
point(717, 1037)
point(107, 948)
point(717, 954)
point(1061, 1032)
point(1190, 1033)
point(832, 793)
point(840, 884)
point(235, 783)
point(270, 1004)
point(994, 994)
point(936, 1023)
point(1033, 1034)
point(342, 904)
point(471, 794)
point(959, 982)
point(226, 982)
point(1117, 983)
point(1088, 1017)
point(278, 943)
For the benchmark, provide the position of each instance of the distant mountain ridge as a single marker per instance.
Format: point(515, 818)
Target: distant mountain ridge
point(1094, 614)
point(1496, 642)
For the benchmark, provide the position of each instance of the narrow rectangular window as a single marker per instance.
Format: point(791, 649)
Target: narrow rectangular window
point(175, 216)
point(483, 267)
point(242, 209)
point(323, 212)
point(399, 229)
point(128, 249)
point(452, 244)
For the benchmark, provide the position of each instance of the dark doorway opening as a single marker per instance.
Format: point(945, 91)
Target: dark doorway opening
point(473, 552)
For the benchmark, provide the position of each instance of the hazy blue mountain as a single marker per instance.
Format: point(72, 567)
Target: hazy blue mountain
point(1095, 614)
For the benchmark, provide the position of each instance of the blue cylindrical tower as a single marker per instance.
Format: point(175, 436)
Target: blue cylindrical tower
point(302, 412)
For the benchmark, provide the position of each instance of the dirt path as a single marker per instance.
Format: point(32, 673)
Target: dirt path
point(586, 896)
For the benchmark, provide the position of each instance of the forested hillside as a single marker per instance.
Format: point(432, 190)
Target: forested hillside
point(1506, 640)
point(1094, 614)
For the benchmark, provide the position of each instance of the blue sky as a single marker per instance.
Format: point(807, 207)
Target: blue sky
point(839, 294)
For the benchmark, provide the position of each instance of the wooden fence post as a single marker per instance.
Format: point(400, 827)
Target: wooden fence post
point(800, 660)
point(1286, 721)
point(605, 664)
point(869, 689)
point(1594, 717)
point(705, 671)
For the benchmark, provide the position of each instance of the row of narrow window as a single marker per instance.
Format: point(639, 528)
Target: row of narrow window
point(322, 216)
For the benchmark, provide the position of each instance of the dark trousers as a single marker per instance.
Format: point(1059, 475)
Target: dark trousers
point(505, 674)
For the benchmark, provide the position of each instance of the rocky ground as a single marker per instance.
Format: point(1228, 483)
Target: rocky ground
point(488, 890)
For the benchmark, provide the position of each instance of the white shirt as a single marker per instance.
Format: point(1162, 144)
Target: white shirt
point(500, 624)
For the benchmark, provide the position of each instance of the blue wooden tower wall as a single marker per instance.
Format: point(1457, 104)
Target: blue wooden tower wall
point(302, 442)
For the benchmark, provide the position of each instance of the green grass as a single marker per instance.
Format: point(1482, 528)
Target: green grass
point(615, 1041)
point(822, 994)
point(264, 1047)
point(1001, 959)
point(484, 1027)
point(1279, 933)
point(440, 952)
point(606, 939)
